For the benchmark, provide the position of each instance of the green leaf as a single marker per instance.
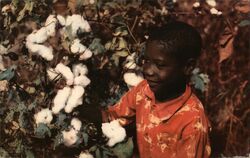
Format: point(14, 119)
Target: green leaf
point(244, 23)
point(124, 150)
point(8, 74)
point(98, 153)
point(122, 44)
point(122, 53)
point(121, 31)
point(42, 130)
point(85, 138)
point(29, 4)
point(96, 47)
point(115, 58)
point(60, 121)
point(93, 148)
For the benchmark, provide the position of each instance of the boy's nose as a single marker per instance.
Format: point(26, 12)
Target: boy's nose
point(148, 70)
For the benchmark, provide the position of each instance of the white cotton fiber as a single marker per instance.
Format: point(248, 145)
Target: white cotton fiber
point(76, 124)
point(61, 20)
point(75, 98)
point(61, 99)
point(85, 155)
point(132, 79)
point(66, 72)
point(43, 116)
point(52, 74)
point(86, 54)
point(70, 137)
point(80, 69)
point(114, 131)
point(81, 80)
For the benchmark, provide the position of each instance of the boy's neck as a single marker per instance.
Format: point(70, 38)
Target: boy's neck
point(171, 93)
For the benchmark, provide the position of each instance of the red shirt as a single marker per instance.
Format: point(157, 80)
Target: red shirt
point(174, 129)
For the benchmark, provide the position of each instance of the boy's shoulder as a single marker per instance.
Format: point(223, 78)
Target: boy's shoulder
point(193, 112)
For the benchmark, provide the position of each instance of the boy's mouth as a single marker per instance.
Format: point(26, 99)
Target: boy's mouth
point(153, 84)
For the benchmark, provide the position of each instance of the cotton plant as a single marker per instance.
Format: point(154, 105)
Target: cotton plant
point(44, 116)
point(114, 132)
point(70, 137)
point(35, 40)
point(68, 98)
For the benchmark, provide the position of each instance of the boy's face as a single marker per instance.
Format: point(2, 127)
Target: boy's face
point(161, 70)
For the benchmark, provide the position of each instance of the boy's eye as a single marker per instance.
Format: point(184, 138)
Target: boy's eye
point(159, 65)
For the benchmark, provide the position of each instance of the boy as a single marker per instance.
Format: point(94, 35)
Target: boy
point(170, 120)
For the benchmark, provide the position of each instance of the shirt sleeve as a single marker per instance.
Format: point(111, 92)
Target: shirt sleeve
point(125, 109)
point(195, 142)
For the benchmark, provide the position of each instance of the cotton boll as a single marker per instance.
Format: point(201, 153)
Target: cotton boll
point(76, 124)
point(86, 55)
point(85, 26)
point(43, 116)
point(80, 69)
point(132, 79)
point(45, 52)
point(77, 22)
point(81, 80)
point(77, 47)
point(212, 3)
point(50, 25)
point(114, 131)
point(61, 20)
point(32, 47)
point(50, 19)
point(51, 29)
point(61, 99)
point(70, 137)
point(52, 74)
point(38, 36)
point(66, 72)
point(75, 98)
point(85, 155)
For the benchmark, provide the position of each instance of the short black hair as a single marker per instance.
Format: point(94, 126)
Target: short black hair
point(180, 39)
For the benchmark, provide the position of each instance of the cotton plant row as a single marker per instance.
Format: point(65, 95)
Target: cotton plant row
point(35, 40)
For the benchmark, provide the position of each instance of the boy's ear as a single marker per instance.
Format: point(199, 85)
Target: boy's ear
point(189, 66)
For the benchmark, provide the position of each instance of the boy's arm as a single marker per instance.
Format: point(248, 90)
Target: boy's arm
point(195, 141)
point(125, 109)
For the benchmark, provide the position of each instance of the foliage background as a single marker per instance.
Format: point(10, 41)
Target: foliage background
point(225, 60)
